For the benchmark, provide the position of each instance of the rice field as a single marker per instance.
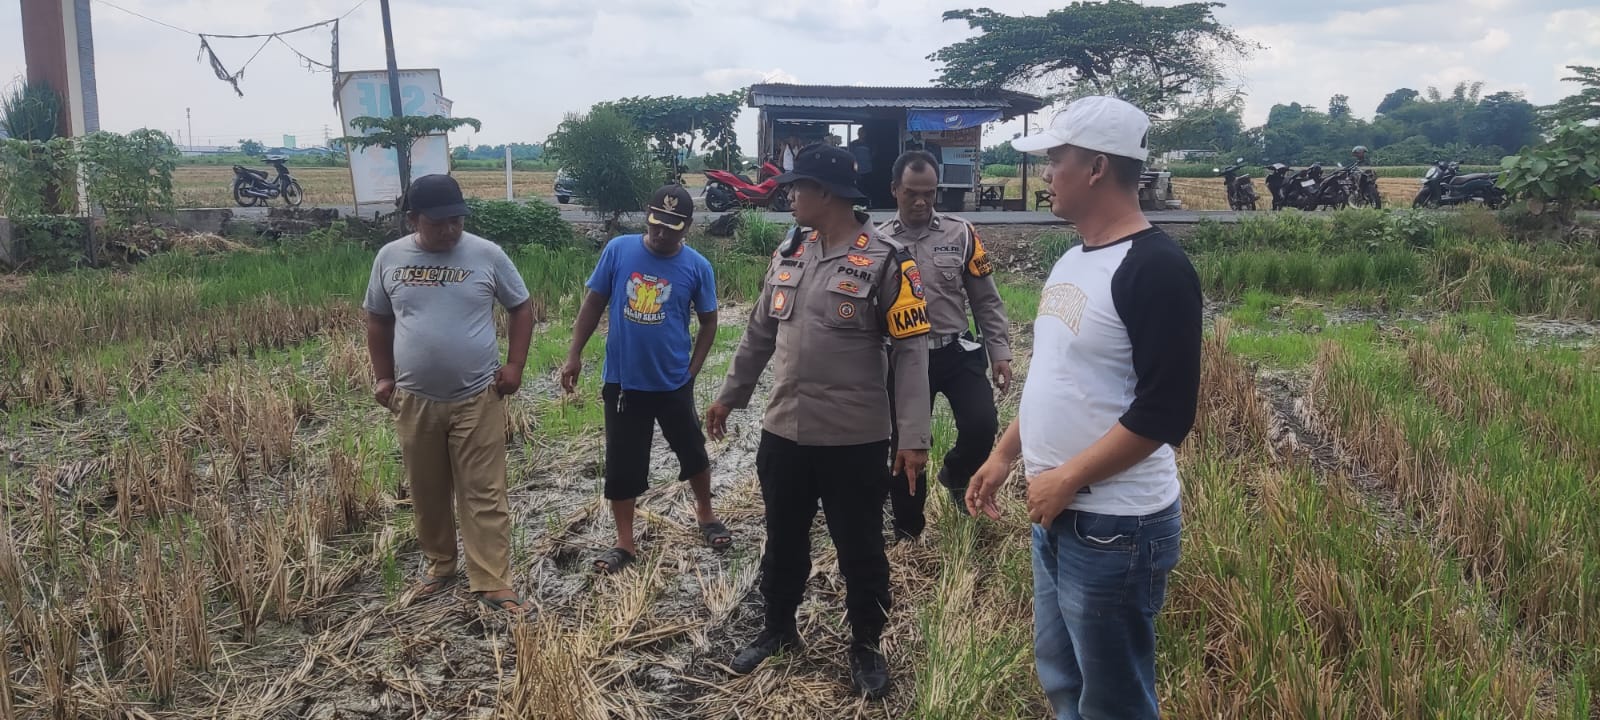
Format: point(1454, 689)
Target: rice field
point(1389, 497)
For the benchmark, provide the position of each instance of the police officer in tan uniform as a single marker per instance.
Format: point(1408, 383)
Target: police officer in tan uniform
point(831, 297)
point(957, 273)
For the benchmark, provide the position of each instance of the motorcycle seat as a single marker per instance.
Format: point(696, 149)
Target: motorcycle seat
point(1464, 179)
point(240, 169)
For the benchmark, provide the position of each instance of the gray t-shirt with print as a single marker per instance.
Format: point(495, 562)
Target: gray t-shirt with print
point(445, 347)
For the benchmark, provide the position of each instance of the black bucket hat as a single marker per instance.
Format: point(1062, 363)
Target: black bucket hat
point(834, 168)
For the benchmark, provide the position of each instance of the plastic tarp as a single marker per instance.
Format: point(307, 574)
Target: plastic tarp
point(934, 120)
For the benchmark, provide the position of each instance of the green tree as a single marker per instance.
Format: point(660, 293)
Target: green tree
point(1146, 54)
point(1504, 120)
point(400, 133)
point(609, 160)
point(1213, 124)
point(253, 148)
point(1339, 108)
point(1396, 99)
point(1002, 154)
point(1582, 106)
point(674, 125)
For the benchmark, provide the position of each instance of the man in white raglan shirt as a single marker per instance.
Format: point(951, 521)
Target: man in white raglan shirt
point(1111, 389)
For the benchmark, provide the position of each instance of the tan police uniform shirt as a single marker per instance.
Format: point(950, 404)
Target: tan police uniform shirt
point(821, 321)
point(956, 272)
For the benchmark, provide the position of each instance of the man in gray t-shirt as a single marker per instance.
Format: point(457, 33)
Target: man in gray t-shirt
point(431, 336)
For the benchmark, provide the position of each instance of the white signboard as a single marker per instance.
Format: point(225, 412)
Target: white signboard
point(375, 172)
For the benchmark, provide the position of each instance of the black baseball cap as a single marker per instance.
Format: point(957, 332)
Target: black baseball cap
point(671, 207)
point(831, 167)
point(436, 196)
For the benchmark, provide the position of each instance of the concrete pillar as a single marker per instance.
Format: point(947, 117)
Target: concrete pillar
point(58, 47)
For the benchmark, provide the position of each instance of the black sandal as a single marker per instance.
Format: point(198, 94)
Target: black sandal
point(716, 535)
point(613, 561)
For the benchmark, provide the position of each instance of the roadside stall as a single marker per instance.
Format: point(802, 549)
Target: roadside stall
point(878, 123)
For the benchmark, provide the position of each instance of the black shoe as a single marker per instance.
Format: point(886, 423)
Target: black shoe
point(958, 495)
point(958, 498)
point(869, 674)
point(767, 644)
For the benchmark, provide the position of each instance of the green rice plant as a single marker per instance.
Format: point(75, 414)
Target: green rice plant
point(1490, 442)
point(1050, 246)
point(756, 235)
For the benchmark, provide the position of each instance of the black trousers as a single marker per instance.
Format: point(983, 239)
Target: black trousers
point(961, 375)
point(849, 480)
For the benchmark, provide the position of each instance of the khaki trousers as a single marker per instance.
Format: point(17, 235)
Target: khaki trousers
point(455, 454)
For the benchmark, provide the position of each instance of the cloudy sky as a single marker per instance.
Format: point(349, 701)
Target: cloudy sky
point(519, 65)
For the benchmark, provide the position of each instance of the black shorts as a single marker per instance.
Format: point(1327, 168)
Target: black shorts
point(631, 418)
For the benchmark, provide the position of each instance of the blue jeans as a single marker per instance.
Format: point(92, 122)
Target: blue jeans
point(1098, 582)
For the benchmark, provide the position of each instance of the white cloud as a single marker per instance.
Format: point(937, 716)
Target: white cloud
point(739, 77)
point(1493, 41)
point(1574, 30)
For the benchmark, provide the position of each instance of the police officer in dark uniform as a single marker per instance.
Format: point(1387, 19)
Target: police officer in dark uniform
point(832, 295)
point(957, 274)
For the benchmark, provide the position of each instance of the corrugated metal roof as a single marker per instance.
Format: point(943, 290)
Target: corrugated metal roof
point(851, 96)
point(908, 101)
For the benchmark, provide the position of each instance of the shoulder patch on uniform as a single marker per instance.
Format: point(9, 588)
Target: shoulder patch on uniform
point(910, 274)
point(980, 265)
point(908, 317)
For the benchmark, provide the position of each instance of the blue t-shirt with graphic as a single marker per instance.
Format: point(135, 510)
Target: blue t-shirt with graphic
point(648, 346)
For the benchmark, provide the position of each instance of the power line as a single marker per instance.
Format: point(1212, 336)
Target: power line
point(141, 16)
point(351, 10)
point(115, 6)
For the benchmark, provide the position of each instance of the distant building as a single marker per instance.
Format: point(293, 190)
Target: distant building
point(293, 151)
point(1172, 156)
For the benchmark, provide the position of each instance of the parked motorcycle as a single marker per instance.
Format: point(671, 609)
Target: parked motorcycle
point(1241, 192)
point(1298, 190)
point(1445, 185)
point(1276, 181)
point(725, 190)
point(1364, 189)
point(1338, 190)
point(251, 187)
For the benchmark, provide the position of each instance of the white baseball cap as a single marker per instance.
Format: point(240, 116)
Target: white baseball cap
point(1102, 124)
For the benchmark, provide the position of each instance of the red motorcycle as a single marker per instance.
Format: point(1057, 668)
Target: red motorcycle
point(725, 190)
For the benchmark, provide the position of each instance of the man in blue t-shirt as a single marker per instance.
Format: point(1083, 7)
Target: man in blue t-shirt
point(650, 370)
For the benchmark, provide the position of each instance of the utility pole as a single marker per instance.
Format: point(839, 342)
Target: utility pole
point(1026, 119)
point(188, 114)
point(403, 153)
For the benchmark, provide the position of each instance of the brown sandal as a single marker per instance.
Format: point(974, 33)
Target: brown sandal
point(518, 605)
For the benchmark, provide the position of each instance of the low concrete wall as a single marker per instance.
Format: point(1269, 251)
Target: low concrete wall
point(200, 220)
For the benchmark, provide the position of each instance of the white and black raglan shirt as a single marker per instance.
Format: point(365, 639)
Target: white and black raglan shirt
point(1117, 340)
